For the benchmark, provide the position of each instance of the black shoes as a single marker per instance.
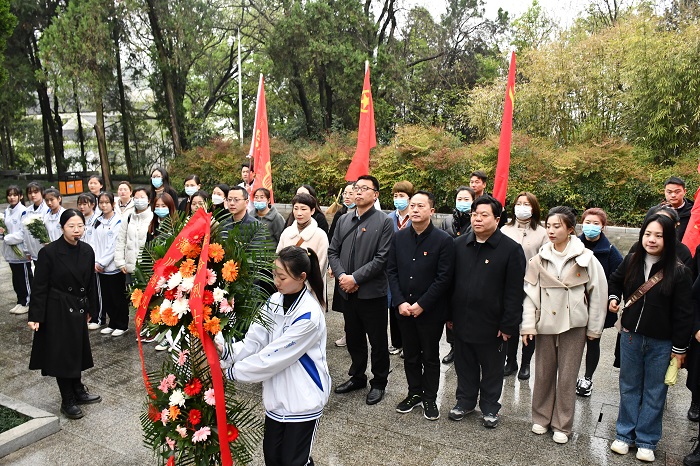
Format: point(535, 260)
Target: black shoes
point(693, 459)
point(458, 412)
point(524, 372)
point(431, 411)
point(71, 410)
point(374, 396)
point(82, 397)
point(350, 386)
point(491, 420)
point(694, 412)
point(510, 368)
point(407, 405)
point(450, 357)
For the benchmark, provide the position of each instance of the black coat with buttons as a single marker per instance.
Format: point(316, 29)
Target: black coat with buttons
point(63, 291)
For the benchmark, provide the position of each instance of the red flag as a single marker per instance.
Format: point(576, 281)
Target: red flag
point(260, 146)
point(691, 237)
point(366, 134)
point(500, 184)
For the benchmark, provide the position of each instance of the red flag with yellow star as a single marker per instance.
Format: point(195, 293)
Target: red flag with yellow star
point(366, 134)
point(500, 183)
point(260, 146)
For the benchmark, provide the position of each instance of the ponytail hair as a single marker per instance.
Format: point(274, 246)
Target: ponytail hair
point(296, 261)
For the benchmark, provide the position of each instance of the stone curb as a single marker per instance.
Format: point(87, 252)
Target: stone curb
point(41, 425)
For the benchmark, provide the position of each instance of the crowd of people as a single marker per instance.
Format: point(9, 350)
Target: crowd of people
point(487, 278)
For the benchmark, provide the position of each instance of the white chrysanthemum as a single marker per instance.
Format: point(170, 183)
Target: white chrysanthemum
point(177, 398)
point(219, 294)
point(186, 284)
point(174, 280)
point(180, 307)
point(166, 304)
point(161, 283)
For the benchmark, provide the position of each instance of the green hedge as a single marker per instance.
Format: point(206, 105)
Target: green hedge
point(620, 178)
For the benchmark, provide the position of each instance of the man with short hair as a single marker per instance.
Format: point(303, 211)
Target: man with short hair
point(400, 218)
point(421, 261)
point(247, 176)
point(358, 254)
point(487, 308)
point(674, 191)
point(477, 181)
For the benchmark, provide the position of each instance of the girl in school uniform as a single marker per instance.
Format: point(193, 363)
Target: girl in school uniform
point(290, 352)
point(87, 205)
point(37, 209)
point(51, 219)
point(14, 235)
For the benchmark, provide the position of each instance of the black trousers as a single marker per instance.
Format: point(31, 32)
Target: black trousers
point(479, 370)
point(288, 443)
point(113, 298)
point(21, 281)
point(367, 318)
point(449, 336)
point(421, 352)
point(68, 388)
point(527, 351)
point(394, 328)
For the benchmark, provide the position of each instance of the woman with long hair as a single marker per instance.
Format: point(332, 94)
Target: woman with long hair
point(525, 229)
point(160, 180)
point(565, 295)
point(656, 322)
point(192, 185)
point(164, 206)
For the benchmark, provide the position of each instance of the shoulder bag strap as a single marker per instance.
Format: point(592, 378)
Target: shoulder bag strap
point(351, 230)
point(646, 286)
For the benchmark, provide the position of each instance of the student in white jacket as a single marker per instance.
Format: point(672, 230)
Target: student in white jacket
point(133, 233)
point(53, 200)
point(20, 265)
point(111, 282)
point(289, 358)
point(37, 209)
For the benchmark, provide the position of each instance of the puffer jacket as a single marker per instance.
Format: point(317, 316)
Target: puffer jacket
point(556, 303)
point(132, 239)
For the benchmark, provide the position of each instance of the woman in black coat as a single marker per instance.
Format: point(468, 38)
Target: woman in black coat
point(62, 294)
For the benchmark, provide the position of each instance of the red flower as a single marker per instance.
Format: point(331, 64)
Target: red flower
point(169, 270)
point(193, 387)
point(231, 433)
point(195, 417)
point(171, 461)
point(170, 294)
point(207, 297)
point(153, 413)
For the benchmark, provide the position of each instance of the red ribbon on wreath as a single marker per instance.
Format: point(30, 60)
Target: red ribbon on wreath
point(197, 228)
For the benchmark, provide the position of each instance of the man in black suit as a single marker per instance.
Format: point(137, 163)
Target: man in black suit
point(421, 262)
point(487, 308)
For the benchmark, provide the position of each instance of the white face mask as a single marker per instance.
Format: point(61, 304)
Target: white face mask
point(216, 199)
point(140, 203)
point(523, 212)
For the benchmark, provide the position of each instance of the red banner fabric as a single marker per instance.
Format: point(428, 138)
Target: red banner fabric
point(366, 134)
point(691, 237)
point(260, 147)
point(500, 184)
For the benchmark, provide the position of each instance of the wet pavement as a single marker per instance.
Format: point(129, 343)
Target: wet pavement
point(350, 432)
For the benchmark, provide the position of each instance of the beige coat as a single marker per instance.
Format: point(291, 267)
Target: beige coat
point(555, 303)
point(531, 240)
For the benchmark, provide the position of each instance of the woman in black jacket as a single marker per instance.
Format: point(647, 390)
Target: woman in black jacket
point(655, 329)
point(63, 292)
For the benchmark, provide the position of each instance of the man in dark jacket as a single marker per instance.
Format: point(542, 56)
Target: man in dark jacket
point(421, 262)
point(674, 191)
point(358, 254)
point(487, 307)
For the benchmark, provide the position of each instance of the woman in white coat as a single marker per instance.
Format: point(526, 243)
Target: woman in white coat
point(133, 233)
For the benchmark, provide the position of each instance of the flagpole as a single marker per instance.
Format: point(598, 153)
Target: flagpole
point(240, 92)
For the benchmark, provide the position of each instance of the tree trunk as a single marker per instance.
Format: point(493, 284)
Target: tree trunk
point(81, 134)
point(123, 107)
point(10, 147)
point(3, 148)
point(45, 105)
point(166, 75)
point(102, 143)
point(47, 147)
point(303, 99)
point(60, 159)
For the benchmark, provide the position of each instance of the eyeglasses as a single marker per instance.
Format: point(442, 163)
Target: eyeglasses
point(364, 189)
point(483, 215)
point(233, 200)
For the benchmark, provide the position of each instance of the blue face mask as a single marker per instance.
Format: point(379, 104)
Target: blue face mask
point(157, 182)
point(464, 206)
point(161, 212)
point(591, 231)
point(260, 205)
point(400, 203)
point(189, 190)
point(350, 206)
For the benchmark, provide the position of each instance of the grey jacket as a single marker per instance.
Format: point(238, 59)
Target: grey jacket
point(372, 241)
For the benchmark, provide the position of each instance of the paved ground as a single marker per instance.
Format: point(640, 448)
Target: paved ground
point(350, 432)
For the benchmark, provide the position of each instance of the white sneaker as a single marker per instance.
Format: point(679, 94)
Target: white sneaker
point(93, 326)
point(118, 333)
point(538, 429)
point(341, 342)
point(560, 437)
point(644, 454)
point(21, 309)
point(106, 331)
point(620, 447)
point(161, 347)
point(14, 309)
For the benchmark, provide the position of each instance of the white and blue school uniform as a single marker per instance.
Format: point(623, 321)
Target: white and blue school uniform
point(53, 225)
point(90, 229)
point(289, 358)
point(33, 245)
point(111, 282)
point(21, 268)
